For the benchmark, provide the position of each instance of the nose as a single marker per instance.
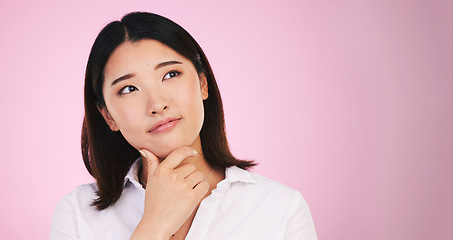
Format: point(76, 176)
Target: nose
point(157, 104)
point(154, 112)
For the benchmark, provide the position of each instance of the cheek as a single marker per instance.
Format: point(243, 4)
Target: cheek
point(197, 109)
point(129, 125)
point(126, 121)
point(124, 115)
point(192, 99)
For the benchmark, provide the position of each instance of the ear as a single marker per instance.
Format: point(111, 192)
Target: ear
point(108, 119)
point(204, 86)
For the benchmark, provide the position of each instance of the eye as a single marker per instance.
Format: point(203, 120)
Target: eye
point(127, 89)
point(171, 74)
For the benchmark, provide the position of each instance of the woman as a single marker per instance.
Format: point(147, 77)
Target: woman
point(153, 138)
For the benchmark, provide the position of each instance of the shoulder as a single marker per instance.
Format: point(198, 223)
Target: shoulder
point(252, 198)
point(81, 197)
point(279, 192)
point(297, 215)
point(256, 184)
point(253, 188)
point(81, 194)
point(64, 219)
point(272, 185)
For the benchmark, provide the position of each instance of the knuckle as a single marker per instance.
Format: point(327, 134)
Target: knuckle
point(191, 196)
point(198, 175)
point(156, 173)
point(185, 185)
point(204, 186)
point(191, 166)
point(173, 176)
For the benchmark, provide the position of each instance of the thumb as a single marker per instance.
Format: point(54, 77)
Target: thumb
point(150, 159)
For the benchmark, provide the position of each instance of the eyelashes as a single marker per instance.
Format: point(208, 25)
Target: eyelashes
point(130, 88)
point(127, 89)
point(171, 74)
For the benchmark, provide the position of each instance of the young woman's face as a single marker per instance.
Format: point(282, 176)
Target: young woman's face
point(154, 96)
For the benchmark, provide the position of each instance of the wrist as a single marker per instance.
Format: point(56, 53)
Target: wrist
point(147, 231)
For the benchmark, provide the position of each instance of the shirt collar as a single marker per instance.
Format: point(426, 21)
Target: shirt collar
point(236, 174)
point(132, 175)
point(232, 174)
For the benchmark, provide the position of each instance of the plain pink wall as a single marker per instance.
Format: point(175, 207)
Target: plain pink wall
point(351, 103)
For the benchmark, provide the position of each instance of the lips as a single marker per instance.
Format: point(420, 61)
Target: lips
point(164, 125)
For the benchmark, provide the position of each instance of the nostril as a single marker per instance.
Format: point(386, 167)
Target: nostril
point(159, 111)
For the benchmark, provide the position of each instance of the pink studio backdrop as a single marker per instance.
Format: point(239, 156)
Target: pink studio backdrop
point(351, 103)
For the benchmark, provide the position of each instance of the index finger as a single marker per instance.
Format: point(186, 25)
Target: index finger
point(177, 156)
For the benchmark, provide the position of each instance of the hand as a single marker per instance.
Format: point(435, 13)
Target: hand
point(172, 193)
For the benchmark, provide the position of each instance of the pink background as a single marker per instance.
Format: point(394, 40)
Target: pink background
point(351, 103)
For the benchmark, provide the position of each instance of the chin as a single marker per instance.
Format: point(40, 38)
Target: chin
point(165, 149)
point(163, 154)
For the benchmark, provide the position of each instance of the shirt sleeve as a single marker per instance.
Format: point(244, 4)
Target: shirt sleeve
point(64, 223)
point(300, 225)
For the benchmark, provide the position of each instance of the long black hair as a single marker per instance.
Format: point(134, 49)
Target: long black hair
point(106, 154)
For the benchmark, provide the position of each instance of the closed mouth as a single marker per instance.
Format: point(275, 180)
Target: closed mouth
point(164, 125)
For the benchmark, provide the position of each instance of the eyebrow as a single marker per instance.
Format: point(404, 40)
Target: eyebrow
point(131, 75)
point(125, 77)
point(163, 64)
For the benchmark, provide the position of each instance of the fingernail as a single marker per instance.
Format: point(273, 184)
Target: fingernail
point(195, 152)
point(142, 153)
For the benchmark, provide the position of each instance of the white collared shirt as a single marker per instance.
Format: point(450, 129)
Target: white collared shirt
point(243, 206)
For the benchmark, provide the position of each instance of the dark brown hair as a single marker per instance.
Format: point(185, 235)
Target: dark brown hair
point(106, 154)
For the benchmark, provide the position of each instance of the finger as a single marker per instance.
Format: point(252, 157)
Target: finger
point(150, 159)
point(177, 156)
point(194, 179)
point(201, 188)
point(184, 170)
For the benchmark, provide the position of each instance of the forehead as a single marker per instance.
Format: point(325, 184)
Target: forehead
point(130, 56)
